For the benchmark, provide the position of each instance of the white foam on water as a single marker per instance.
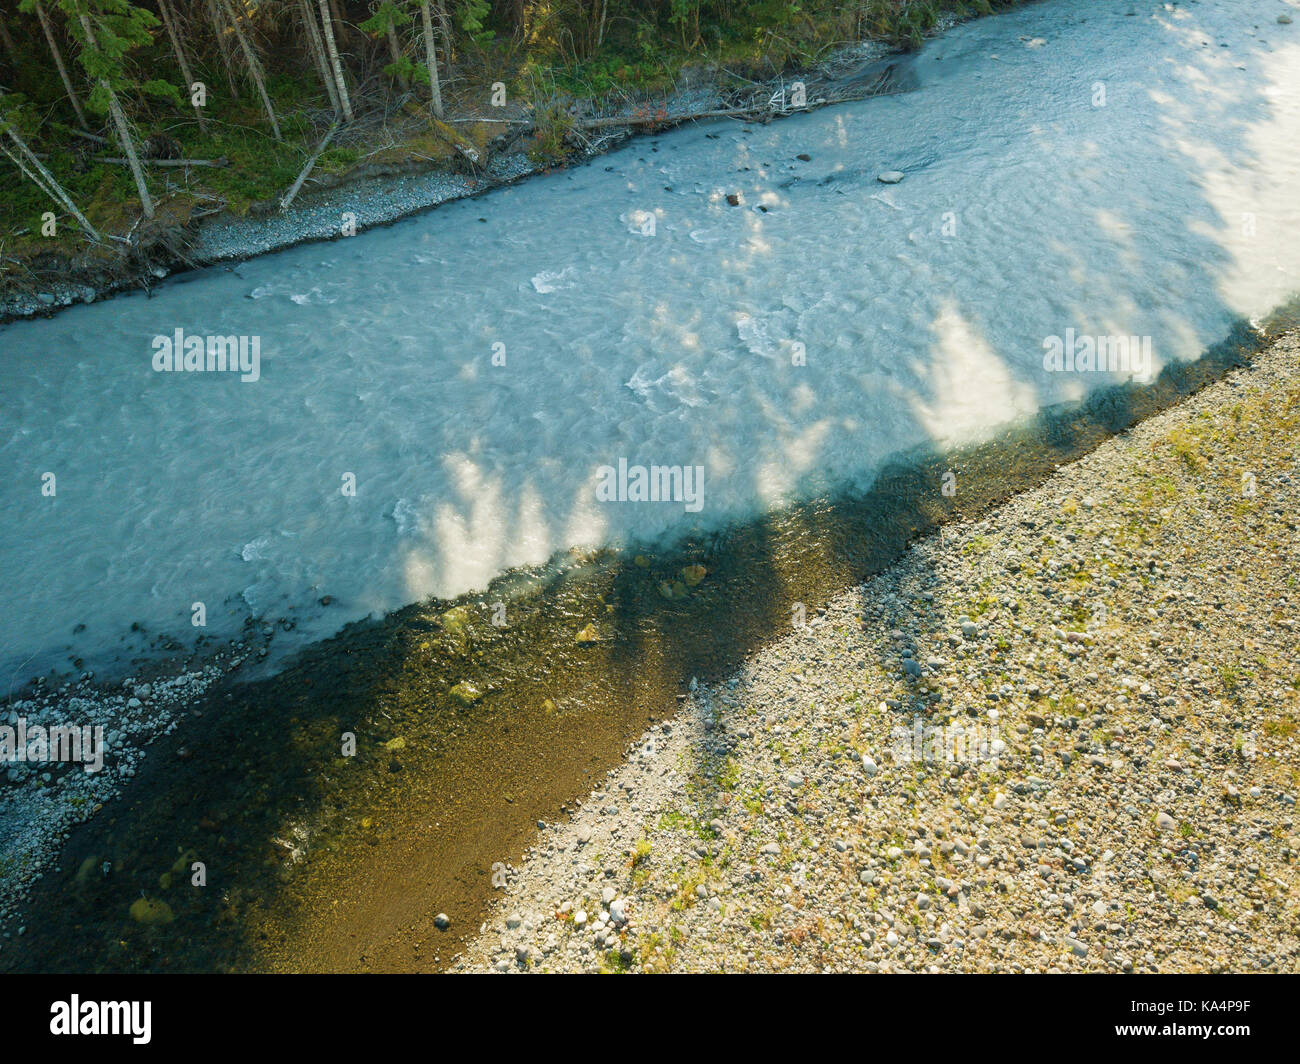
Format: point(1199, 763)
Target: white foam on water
point(554, 280)
point(1168, 209)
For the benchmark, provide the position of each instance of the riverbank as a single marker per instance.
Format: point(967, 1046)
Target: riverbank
point(482, 150)
point(1108, 661)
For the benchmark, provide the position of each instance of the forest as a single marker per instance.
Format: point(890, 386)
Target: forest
point(120, 121)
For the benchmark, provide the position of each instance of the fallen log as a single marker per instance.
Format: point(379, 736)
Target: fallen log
point(450, 137)
point(757, 113)
point(661, 119)
point(44, 180)
point(218, 163)
point(287, 198)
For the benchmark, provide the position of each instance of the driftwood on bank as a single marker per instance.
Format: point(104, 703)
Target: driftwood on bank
point(449, 137)
point(287, 198)
point(748, 113)
point(759, 112)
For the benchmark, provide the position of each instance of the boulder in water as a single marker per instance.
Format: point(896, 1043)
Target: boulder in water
point(150, 912)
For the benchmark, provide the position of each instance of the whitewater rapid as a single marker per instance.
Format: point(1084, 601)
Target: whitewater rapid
point(435, 400)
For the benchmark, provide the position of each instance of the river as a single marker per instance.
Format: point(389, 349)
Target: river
point(435, 400)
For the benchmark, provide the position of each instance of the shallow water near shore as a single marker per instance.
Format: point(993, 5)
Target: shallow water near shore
point(922, 349)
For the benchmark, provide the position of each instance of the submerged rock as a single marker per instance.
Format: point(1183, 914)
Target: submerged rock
point(672, 589)
point(465, 694)
point(150, 912)
point(456, 622)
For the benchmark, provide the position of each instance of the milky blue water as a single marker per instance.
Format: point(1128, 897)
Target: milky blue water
point(1068, 166)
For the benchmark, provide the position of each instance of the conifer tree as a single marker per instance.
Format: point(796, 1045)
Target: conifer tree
point(431, 60)
point(174, 35)
point(35, 7)
point(106, 30)
point(386, 17)
point(254, 65)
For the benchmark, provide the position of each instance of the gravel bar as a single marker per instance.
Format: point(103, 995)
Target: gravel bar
point(1061, 738)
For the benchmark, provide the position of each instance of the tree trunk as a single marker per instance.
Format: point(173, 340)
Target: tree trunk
point(431, 57)
point(128, 148)
point(10, 47)
point(444, 29)
point(123, 130)
point(287, 198)
point(223, 46)
point(334, 60)
point(48, 30)
point(254, 67)
point(45, 182)
point(170, 22)
point(317, 49)
point(397, 55)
